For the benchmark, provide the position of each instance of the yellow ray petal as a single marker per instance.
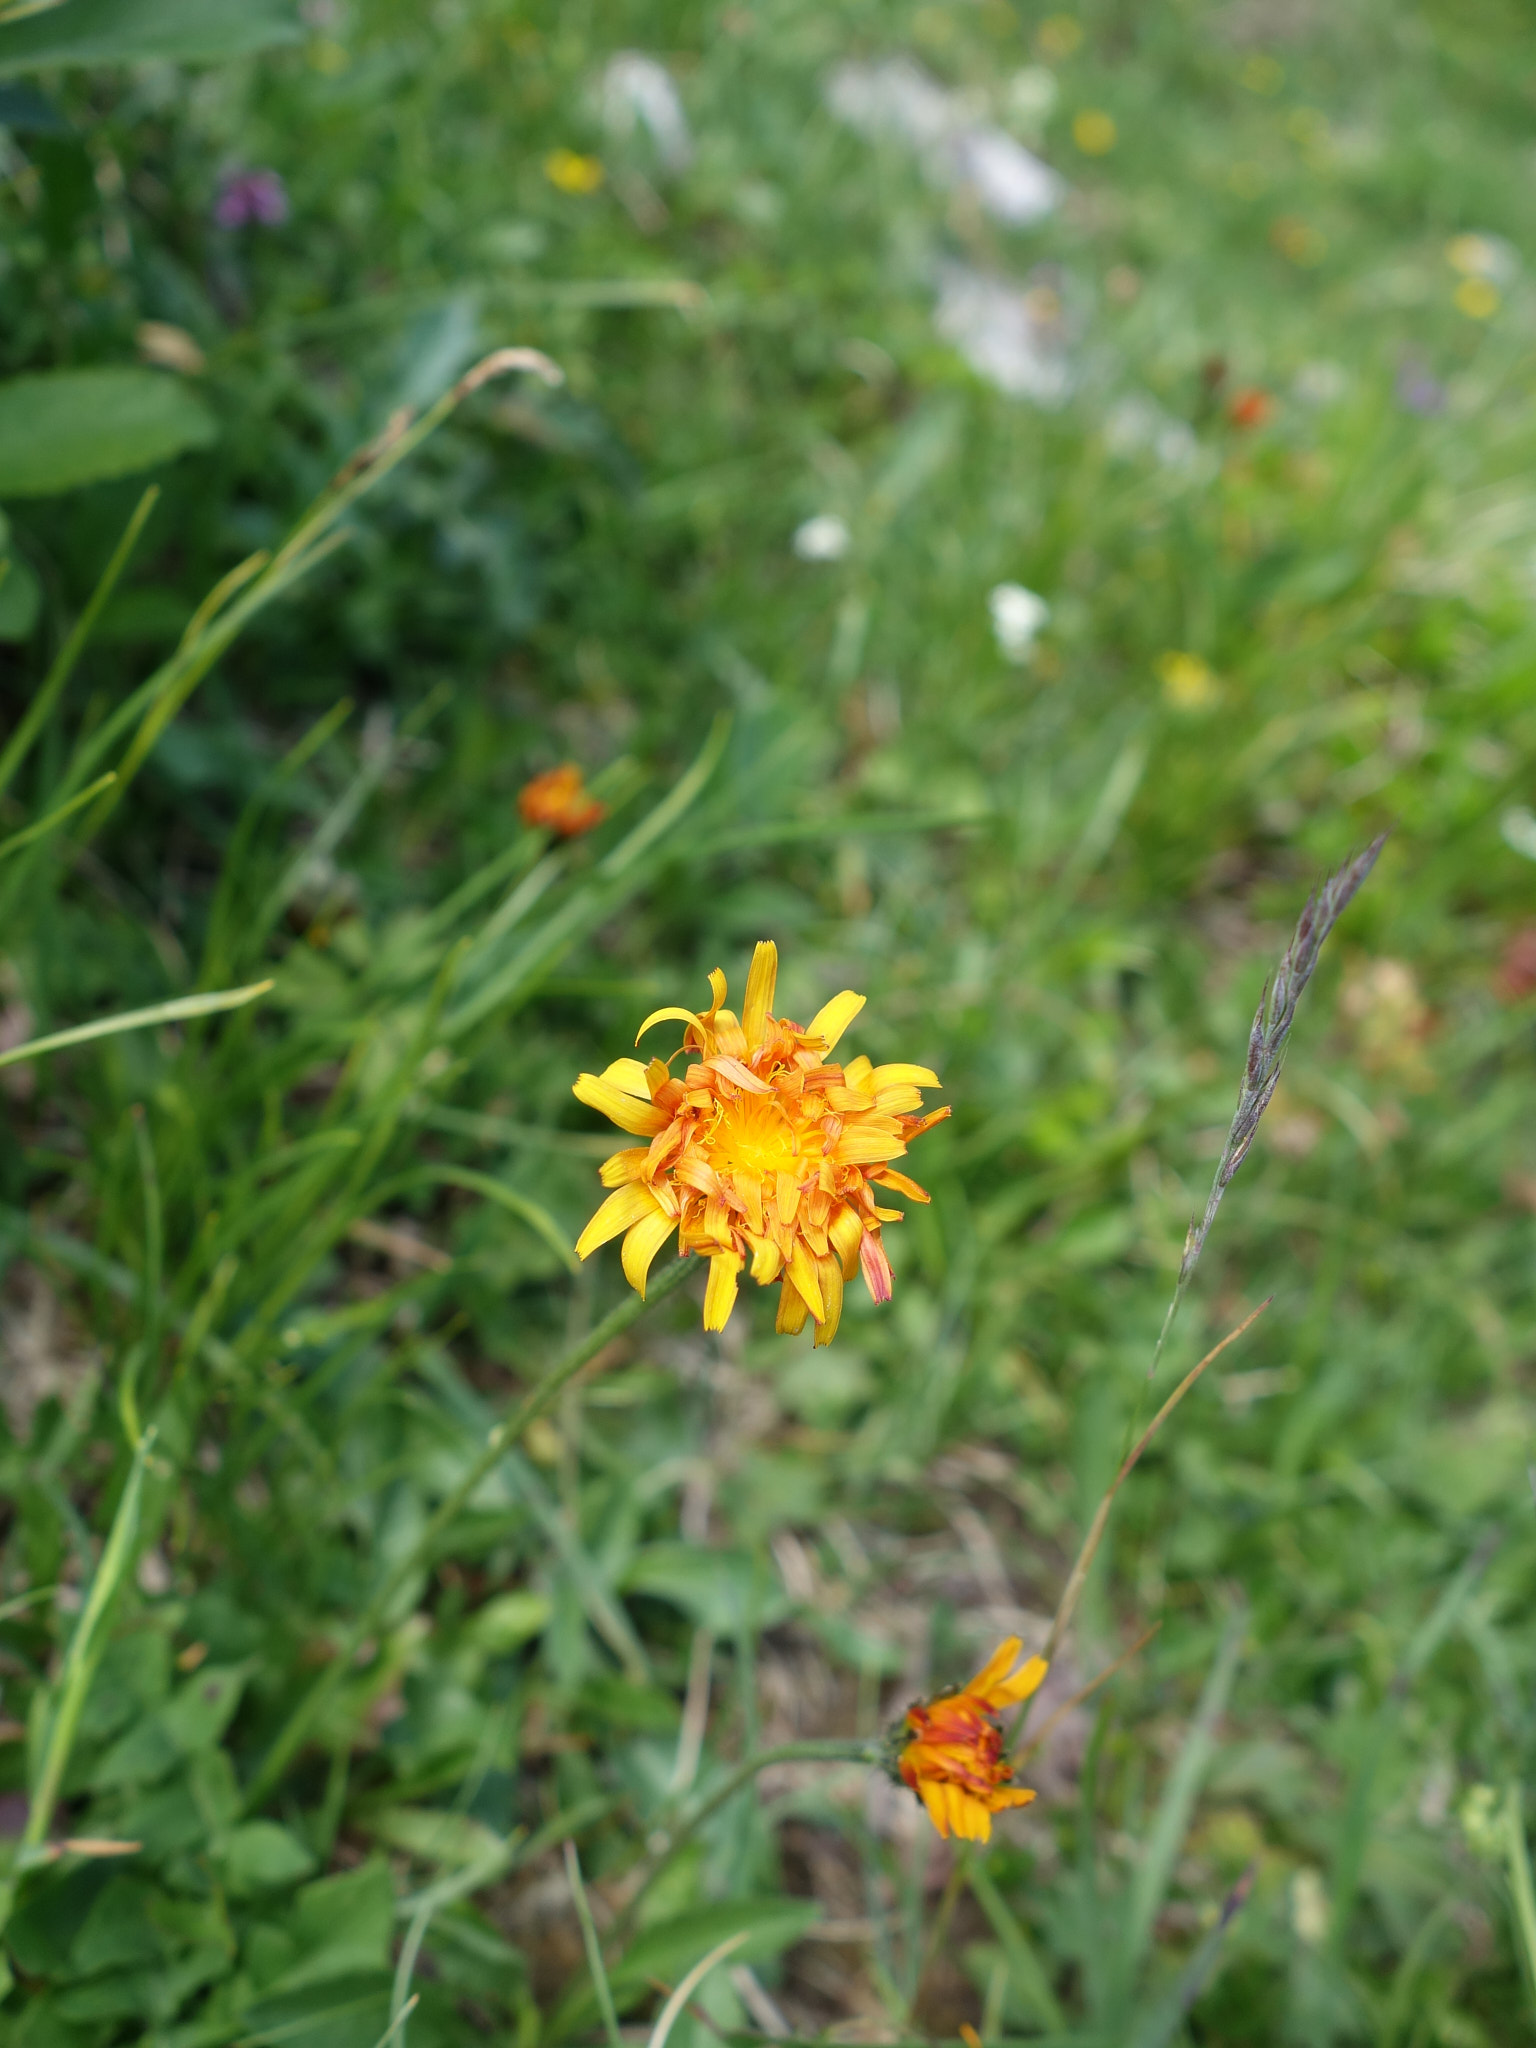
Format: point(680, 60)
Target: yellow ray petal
point(866, 1145)
point(932, 1796)
point(892, 1179)
point(641, 1244)
point(833, 1019)
point(671, 1011)
point(644, 1119)
point(973, 1823)
point(623, 1167)
point(622, 1208)
point(790, 1320)
point(830, 1273)
point(901, 1072)
point(747, 1187)
point(720, 1294)
point(802, 1271)
point(1026, 1680)
point(629, 1075)
point(758, 1001)
point(898, 1098)
point(767, 1263)
point(996, 1668)
point(731, 1069)
point(847, 1234)
point(857, 1073)
point(717, 992)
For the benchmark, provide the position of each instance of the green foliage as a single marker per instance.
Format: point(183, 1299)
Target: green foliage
point(63, 428)
point(33, 38)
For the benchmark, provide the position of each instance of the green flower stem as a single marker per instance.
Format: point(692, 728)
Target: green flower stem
point(297, 1728)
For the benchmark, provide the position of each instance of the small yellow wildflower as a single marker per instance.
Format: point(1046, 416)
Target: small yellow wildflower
point(1059, 35)
point(568, 171)
point(764, 1152)
point(949, 1750)
point(1095, 132)
point(1299, 242)
point(1477, 298)
point(1263, 74)
point(1188, 682)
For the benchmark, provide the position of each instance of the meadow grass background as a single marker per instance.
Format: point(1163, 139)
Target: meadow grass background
point(1061, 882)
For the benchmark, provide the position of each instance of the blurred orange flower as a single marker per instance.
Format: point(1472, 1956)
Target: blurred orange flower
point(764, 1151)
point(951, 1748)
point(558, 801)
point(1250, 407)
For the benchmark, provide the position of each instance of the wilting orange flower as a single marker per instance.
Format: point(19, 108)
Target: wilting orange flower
point(950, 1750)
point(1250, 407)
point(558, 801)
point(763, 1153)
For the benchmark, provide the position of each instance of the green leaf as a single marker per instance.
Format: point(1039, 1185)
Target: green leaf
point(261, 1856)
point(63, 428)
point(507, 1622)
point(20, 596)
point(118, 1930)
point(435, 1835)
point(341, 1927)
point(192, 1720)
point(129, 31)
point(721, 1590)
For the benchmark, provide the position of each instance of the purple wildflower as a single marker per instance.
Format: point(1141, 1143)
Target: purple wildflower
point(251, 199)
point(1417, 391)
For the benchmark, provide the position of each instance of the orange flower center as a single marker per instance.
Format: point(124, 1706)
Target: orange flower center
point(753, 1135)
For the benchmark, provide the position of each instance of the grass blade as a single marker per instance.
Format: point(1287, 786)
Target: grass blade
point(1177, 1805)
point(666, 2019)
point(36, 715)
point(80, 1661)
point(1024, 1966)
point(593, 1946)
point(1164, 2022)
point(29, 833)
point(174, 1012)
point(1522, 1891)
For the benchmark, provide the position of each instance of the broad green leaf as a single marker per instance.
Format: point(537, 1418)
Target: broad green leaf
point(507, 1622)
point(721, 1590)
point(435, 1835)
point(192, 1720)
point(129, 31)
point(340, 1926)
point(63, 428)
point(261, 1856)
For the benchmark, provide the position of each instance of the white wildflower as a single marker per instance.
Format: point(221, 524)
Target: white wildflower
point(822, 538)
point(638, 91)
point(1018, 616)
point(895, 99)
point(1004, 333)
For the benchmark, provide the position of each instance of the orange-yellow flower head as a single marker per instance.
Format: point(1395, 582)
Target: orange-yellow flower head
point(558, 800)
point(762, 1154)
point(950, 1750)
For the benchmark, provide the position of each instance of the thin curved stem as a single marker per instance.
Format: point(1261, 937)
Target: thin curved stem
point(830, 1749)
